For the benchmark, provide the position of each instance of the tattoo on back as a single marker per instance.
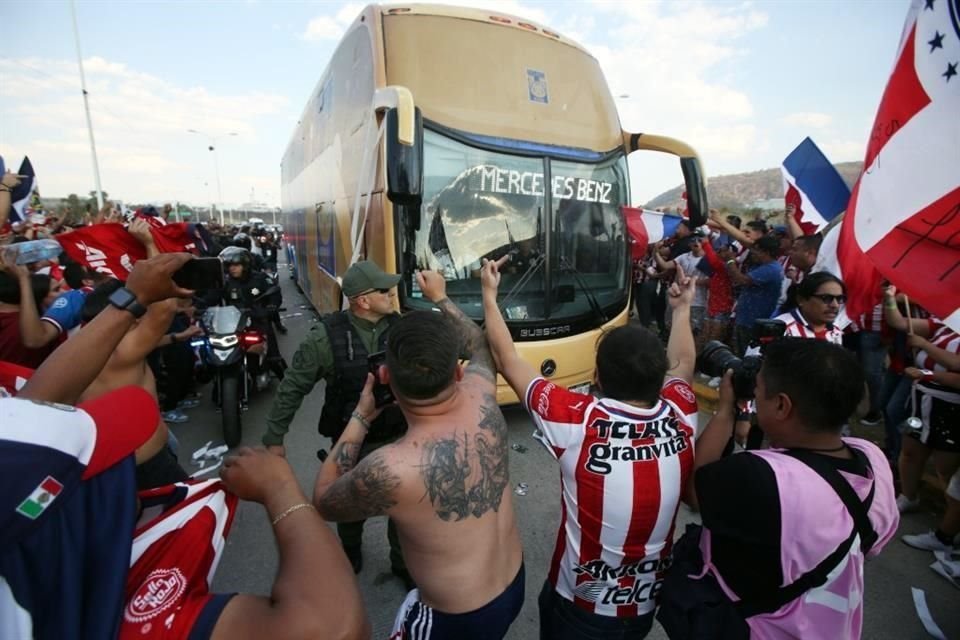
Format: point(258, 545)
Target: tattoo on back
point(465, 474)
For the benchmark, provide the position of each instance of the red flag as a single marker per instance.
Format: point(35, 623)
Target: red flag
point(173, 237)
point(109, 248)
point(905, 210)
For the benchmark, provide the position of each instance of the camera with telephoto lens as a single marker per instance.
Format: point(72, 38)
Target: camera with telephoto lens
point(716, 358)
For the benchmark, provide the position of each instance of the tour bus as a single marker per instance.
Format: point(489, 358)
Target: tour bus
point(439, 136)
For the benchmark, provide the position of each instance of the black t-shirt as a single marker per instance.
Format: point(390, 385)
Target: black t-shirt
point(740, 505)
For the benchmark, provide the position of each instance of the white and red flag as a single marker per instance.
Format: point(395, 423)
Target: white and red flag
point(109, 248)
point(904, 212)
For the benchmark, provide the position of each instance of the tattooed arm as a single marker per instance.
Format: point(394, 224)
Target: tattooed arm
point(434, 287)
point(366, 490)
point(343, 458)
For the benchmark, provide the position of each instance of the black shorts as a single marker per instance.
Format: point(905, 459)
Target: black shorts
point(159, 471)
point(941, 422)
point(417, 621)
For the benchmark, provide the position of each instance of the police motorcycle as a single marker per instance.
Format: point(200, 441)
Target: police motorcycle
point(235, 352)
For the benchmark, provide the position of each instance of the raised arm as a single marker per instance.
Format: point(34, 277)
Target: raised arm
point(34, 333)
point(717, 219)
point(663, 265)
point(75, 364)
point(517, 372)
point(896, 320)
point(8, 181)
point(681, 350)
point(715, 436)
point(140, 229)
point(474, 342)
point(793, 227)
point(315, 594)
point(146, 337)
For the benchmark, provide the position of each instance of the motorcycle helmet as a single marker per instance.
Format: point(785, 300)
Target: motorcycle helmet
point(236, 255)
point(243, 241)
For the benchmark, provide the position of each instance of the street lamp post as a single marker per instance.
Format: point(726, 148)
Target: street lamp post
point(212, 146)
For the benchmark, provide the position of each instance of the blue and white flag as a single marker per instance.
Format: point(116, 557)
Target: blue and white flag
point(813, 186)
point(20, 195)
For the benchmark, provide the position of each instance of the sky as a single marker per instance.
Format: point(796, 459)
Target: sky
point(743, 82)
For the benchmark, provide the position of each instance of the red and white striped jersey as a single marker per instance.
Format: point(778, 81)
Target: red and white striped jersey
point(622, 470)
point(943, 337)
point(872, 321)
point(173, 559)
point(798, 327)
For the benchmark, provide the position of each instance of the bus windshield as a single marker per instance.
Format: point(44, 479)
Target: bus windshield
point(560, 222)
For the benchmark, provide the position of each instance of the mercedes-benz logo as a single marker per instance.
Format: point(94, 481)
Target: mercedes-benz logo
point(548, 367)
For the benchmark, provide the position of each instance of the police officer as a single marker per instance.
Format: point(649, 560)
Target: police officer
point(244, 287)
point(336, 351)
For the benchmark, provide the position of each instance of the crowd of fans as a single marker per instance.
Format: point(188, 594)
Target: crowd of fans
point(751, 271)
point(44, 302)
point(117, 357)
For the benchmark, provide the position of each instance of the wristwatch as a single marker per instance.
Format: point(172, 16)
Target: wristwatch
point(124, 300)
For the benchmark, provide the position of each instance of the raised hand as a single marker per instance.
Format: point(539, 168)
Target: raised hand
point(152, 280)
point(490, 273)
point(683, 289)
point(433, 285)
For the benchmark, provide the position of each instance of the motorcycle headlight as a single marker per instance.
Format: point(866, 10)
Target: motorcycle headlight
point(224, 341)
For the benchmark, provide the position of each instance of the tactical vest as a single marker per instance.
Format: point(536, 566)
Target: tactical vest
point(350, 375)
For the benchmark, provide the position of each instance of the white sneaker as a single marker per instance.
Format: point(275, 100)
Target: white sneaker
point(927, 541)
point(906, 505)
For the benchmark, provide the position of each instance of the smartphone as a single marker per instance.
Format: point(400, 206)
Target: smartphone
point(382, 394)
point(200, 274)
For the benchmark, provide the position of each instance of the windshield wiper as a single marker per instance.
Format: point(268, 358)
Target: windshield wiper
point(527, 275)
point(566, 265)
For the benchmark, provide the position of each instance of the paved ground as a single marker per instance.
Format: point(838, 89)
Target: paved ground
point(250, 560)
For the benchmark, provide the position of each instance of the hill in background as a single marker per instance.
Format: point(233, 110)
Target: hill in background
point(746, 191)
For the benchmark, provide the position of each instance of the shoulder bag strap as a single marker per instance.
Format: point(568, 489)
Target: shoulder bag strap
point(861, 527)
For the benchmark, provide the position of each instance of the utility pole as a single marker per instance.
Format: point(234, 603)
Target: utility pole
point(86, 107)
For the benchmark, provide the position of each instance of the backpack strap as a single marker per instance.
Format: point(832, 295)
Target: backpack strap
point(861, 527)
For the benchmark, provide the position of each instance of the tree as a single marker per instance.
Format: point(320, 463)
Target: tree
point(74, 209)
point(92, 200)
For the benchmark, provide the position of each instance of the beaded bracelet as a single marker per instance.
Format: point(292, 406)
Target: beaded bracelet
point(361, 420)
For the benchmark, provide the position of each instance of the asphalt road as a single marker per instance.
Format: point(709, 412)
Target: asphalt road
point(249, 562)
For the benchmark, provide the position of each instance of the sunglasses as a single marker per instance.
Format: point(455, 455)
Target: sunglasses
point(828, 298)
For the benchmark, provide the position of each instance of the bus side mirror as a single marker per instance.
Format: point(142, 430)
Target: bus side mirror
point(697, 206)
point(404, 161)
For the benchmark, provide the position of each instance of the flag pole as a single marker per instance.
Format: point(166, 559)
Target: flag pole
point(906, 303)
point(86, 106)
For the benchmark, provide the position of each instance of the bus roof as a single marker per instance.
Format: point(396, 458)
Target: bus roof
point(498, 76)
point(470, 13)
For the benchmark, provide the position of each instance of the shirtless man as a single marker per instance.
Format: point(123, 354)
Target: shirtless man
point(445, 483)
